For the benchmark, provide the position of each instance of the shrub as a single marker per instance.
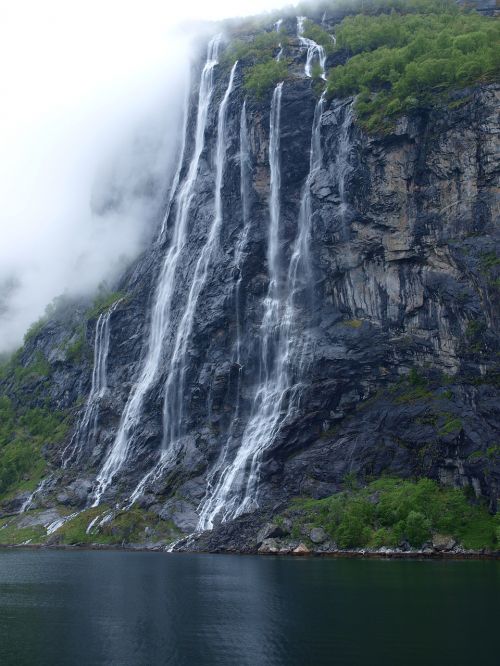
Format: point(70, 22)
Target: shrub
point(389, 510)
point(319, 35)
point(260, 78)
point(23, 433)
point(102, 302)
point(417, 528)
point(401, 61)
point(260, 48)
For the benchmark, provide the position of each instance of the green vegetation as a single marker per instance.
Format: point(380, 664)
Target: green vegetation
point(405, 61)
point(260, 78)
point(353, 323)
point(258, 48)
point(257, 55)
point(319, 35)
point(412, 388)
point(23, 433)
point(452, 425)
point(389, 511)
point(102, 302)
point(11, 534)
point(132, 526)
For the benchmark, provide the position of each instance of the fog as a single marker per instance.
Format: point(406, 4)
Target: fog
point(91, 101)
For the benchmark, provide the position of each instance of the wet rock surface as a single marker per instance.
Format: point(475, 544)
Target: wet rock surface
point(401, 374)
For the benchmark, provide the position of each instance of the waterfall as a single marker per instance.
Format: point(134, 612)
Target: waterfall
point(206, 506)
point(342, 164)
point(174, 385)
point(277, 27)
point(26, 506)
point(283, 344)
point(245, 169)
point(231, 496)
point(173, 409)
point(313, 50)
point(165, 290)
point(86, 430)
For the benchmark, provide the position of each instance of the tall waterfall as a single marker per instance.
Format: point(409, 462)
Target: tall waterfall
point(277, 27)
point(165, 290)
point(173, 408)
point(207, 504)
point(86, 430)
point(245, 168)
point(282, 341)
point(314, 50)
point(230, 496)
point(175, 383)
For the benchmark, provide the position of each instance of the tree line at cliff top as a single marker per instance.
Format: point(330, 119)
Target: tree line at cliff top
point(399, 55)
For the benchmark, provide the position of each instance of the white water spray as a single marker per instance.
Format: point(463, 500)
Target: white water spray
point(206, 506)
point(26, 506)
point(173, 410)
point(174, 386)
point(165, 291)
point(86, 430)
point(230, 497)
point(314, 50)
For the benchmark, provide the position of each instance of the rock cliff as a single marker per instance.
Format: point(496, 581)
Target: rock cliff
point(396, 325)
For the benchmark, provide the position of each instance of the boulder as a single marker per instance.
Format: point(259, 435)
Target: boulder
point(318, 535)
point(301, 549)
point(270, 531)
point(269, 547)
point(443, 542)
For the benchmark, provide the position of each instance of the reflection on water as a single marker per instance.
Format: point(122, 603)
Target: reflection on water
point(63, 608)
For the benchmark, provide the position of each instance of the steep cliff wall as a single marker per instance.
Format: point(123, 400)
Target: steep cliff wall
point(389, 355)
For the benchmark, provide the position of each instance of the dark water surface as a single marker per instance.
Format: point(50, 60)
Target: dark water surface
point(122, 608)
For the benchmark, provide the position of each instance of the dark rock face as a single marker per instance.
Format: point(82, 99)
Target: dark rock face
point(402, 315)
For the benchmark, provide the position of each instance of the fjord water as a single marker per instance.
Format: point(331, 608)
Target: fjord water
point(89, 607)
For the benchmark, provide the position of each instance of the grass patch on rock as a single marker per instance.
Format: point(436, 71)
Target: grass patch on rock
point(391, 511)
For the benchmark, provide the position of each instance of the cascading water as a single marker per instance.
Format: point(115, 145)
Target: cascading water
point(277, 27)
point(174, 386)
point(165, 290)
point(343, 165)
point(314, 50)
point(86, 430)
point(205, 508)
point(283, 344)
point(245, 169)
point(27, 504)
point(229, 496)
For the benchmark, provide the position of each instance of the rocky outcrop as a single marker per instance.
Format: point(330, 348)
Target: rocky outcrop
point(401, 323)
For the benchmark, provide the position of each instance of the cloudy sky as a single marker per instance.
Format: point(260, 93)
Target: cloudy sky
point(90, 89)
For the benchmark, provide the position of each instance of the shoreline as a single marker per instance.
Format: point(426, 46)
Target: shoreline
point(344, 554)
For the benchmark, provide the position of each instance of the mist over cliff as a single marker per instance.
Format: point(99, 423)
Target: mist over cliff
point(310, 333)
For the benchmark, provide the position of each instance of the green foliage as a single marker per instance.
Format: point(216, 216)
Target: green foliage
point(390, 510)
point(353, 323)
point(488, 261)
point(417, 528)
point(260, 78)
point(451, 426)
point(10, 534)
point(402, 61)
point(35, 329)
point(412, 389)
point(74, 351)
point(102, 302)
point(258, 49)
point(132, 526)
point(23, 433)
point(375, 7)
point(319, 35)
